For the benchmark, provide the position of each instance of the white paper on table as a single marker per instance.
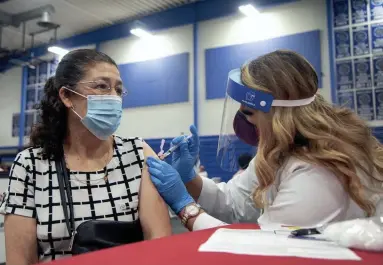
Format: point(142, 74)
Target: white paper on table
point(265, 243)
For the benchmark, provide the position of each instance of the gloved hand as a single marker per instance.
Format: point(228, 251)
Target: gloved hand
point(169, 184)
point(185, 157)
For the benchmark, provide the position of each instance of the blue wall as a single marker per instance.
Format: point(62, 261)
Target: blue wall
point(219, 61)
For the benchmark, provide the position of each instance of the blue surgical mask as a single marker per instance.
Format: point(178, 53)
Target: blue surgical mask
point(103, 116)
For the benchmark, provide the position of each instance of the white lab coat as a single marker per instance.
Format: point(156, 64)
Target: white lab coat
point(304, 195)
point(231, 202)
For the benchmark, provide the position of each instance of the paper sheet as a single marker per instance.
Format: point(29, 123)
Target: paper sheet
point(266, 243)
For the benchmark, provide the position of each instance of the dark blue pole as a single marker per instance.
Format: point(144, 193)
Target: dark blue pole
point(23, 104)
point(331, 51)
point(195, 64)
point(98, 44)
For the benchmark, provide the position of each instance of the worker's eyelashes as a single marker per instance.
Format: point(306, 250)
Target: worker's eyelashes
point(247, 113)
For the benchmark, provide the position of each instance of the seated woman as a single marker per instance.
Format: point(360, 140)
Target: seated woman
point(243, 162)
point(80, 112)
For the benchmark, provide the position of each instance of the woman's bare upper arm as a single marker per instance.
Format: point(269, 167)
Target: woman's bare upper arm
point(154, 214)
point(148, 151)
point(20, 240)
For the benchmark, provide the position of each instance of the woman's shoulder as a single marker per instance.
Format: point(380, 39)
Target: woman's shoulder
point(129, 142)
point(130, 139)
point(26, 161)
point(294, 167)
point(308, 178)
point(30, 153)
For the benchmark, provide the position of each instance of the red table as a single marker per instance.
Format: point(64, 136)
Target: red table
point(183, 249)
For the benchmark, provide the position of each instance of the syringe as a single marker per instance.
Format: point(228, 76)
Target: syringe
point(173, 148)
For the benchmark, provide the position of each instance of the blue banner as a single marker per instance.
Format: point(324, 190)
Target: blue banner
point(365, 104)
point(43, 72)
point(342, 43)
point(376, 9)
point(378, 71)
point(359, 11)
point(362, 71)
point(15, 124)
point(379, 103)
point(344, 75)
point(361, 40)
point(31, 98)
point(377, 37)
point(346, 99)
point(341, 17)
point(156, 82)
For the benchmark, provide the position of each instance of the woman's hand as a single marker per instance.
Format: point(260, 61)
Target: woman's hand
point(169, 184)
point(185, 157)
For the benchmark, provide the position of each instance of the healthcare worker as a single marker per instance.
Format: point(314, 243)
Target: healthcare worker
point(315, 164)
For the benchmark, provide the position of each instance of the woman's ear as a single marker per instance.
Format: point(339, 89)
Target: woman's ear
point(63, 94)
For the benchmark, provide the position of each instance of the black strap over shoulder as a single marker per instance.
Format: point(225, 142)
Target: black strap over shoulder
point(65, 194)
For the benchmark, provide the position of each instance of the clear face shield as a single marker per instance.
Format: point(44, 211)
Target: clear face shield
point(238, 135)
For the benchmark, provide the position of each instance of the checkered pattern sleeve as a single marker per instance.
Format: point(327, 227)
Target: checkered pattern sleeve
point(19, 199)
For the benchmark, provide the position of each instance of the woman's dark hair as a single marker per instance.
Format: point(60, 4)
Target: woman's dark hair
point(244, 160)
point(50, 132)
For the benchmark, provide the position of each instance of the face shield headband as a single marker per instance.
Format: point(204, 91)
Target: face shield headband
point(257, 99)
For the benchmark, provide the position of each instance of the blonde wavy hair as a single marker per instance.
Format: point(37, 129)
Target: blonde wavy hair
point(337, 138)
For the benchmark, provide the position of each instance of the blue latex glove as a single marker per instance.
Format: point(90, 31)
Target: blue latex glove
point(185, 157)
point(169, 184)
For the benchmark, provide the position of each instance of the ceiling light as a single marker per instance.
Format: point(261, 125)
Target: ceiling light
point(248, 10)
point(57, 50)
point(141, 33)
point(45, 21)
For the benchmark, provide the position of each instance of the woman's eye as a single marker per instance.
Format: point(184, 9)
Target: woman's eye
point(103, 86)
